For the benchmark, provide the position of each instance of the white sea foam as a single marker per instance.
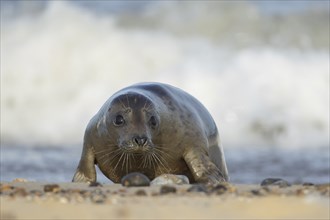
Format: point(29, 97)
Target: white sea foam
point(59, 66)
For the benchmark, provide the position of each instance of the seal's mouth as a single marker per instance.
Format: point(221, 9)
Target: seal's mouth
point(133, 158)
point(130, 147)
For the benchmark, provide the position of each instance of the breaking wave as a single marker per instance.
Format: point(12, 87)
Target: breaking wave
point(265, 85)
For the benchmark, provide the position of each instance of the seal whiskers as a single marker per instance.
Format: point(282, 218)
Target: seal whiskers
point(110, 160)
point(121, 156)
point(107, 153)
point(163, 163)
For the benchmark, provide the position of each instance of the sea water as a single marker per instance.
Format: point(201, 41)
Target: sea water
point(261, 69)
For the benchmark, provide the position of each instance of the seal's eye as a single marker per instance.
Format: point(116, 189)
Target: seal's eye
point(119, 120)
point(153, 122)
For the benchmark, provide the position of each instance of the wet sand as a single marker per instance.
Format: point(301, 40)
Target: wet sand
point(36, 200)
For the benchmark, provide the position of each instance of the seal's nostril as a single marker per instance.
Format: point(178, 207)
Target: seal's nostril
point(140, 140)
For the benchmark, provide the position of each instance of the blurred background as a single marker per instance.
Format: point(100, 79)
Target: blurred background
point(260, 67)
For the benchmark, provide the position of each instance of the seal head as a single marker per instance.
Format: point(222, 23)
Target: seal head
point(132, 124)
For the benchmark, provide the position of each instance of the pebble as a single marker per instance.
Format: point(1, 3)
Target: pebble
point(6, 188)
point(63, 200)
point(19, 192)
point(36, 193)
point(135, 179)
point(84, 192)
point(95, 184)
point(263, 191)
point(79, 198)
point(20, 180)
point(52, 188)
point(197, 188)
point(275, 182)
point(324, 189)
point(302, 192)
point(165, 189)
point(170, 179)
point(141, 193)
point(98, 196)
point(308, 184)
point(219, 189)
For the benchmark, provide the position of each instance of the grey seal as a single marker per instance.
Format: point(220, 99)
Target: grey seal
point(154, 129)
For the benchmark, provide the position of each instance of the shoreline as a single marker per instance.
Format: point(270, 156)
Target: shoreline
point(38, 200)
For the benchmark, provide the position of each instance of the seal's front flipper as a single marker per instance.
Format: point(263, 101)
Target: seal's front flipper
point(202, 168)
point(80, 177)
point(86, 169)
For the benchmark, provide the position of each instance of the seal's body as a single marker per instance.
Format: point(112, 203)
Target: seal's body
point(154, 129)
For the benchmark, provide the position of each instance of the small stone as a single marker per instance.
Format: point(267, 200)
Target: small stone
point(308, 184)
point(6, 188)
point(52, 188)
point(98, 197)
point(71, 191)
point(20, 180)
point(302, 192)
point(324, 189)
point(197, 188)
point(135, 179)
point(255, 192)
point(154, 194)
point(20, 192)
point(167, 189)
point(122, 192)
point(36, 192)
point(95, 184)
point(275, 182)
point(219, 189)
point(84, 192)
point(63, 200)
point(170, 179)
point(79, 198)
point(260, 192)
point(97, 191)
point(266, 189)
point(141, 193)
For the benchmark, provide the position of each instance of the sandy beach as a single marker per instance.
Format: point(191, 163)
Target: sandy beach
point(36, 200)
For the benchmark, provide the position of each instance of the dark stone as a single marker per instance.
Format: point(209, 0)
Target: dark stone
point(64, 191)
point(52, 188)
point(19, 192)
point(84, 192)
point(255, 192)
point(167, 189)
point(141, 193)
point(135, 179)
point(219, 188)
point(260, 192)
point(266, 189)
point(95, 184)
point(6, 187)
point(275, 182)
point(308, 184)
point(36, 192)
point(197, 188)
point(97, 196)
point(324, 189)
